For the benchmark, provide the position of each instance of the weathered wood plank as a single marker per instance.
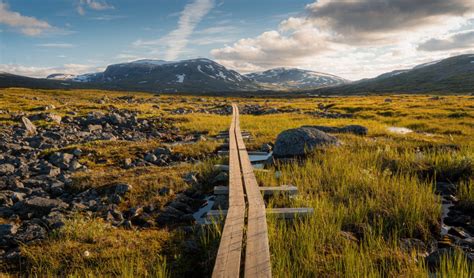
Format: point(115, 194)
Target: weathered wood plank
point(230, 248)
point(278, 213)
point(265, 190)
point(257, 254)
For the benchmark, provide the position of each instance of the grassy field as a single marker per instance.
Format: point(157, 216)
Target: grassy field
point(369, 194)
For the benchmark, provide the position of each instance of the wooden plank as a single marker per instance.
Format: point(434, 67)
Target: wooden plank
point(265, 190)
point(230, 248)
point(290, 213)
point(223, 153)
point(257, 254)
point(278, 213)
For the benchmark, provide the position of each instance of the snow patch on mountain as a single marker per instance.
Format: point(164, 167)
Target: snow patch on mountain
point(180, 78)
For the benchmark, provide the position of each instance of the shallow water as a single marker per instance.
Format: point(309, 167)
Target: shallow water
point(198, 215)
point(399, 130)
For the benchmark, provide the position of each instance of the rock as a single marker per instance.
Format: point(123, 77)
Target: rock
point(49, 170)
point(7, 229)
point(17, 196)
point(30, 232)
point(77, 152)
point(388, 100)
point(444, 188)
point(57, 188)
point(161, 151)
point(151, 158)
point(48, 107)
point(122, 188)
point(266, 148)
point(165, 191)
point(191, 178)
point(181, 206)
point(127, 224)
point(7, 232)
point(38, 206)
point(220, 178)
point(127, 163)
point(75, 165)
point(455, 231)
point(298, 141)
point(354, 129)
point(115, 199)
point(93, 128)
point(29, 126)
point(114, 216)
point(62, 160)
point(54, 118)
point(6, 169)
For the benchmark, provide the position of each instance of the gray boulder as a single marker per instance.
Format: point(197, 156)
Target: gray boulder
point(298, 141)
point(29, 126)
point(354, 129)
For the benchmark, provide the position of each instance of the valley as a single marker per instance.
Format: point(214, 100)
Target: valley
point(102, 183)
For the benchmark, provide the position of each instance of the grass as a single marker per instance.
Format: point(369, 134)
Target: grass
point(367, 194)
point(91, 248)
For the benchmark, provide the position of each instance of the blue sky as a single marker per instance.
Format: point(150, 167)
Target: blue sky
point(339, 37)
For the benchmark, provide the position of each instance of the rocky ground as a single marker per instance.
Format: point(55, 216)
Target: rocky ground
point(37, 162)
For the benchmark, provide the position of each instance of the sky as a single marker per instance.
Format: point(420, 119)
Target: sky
point(353, 39)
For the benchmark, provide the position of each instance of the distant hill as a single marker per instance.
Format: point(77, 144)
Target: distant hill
point(451, 75)
point(293, 78)
point(195, 75)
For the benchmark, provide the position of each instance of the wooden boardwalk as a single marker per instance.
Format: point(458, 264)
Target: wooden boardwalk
point(248, 208)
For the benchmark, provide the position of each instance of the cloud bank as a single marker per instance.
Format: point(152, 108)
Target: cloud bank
point(357, 38)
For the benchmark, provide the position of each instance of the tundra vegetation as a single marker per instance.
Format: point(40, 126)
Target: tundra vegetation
point(377, 211)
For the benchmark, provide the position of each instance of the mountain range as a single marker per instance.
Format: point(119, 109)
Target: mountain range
point(455, 74)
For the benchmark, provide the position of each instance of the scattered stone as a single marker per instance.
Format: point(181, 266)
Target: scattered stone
point(151, 158)
point(266, 148)
point(162, 151)
point(6, 169)
point(61, 160)
point(54, 118)
point(29, 126)
point(122, 188)
point(298, 141)
point(38, 206)
point(165, 191)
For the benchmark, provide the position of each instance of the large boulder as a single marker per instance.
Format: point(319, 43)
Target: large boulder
point(354, 129)
point(298, 141)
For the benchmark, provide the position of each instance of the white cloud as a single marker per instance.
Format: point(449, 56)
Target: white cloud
point(353, 39)
point(176, 41)
point(92, 4)
point(25, 24)
point(56, 45)
point(42, 72)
